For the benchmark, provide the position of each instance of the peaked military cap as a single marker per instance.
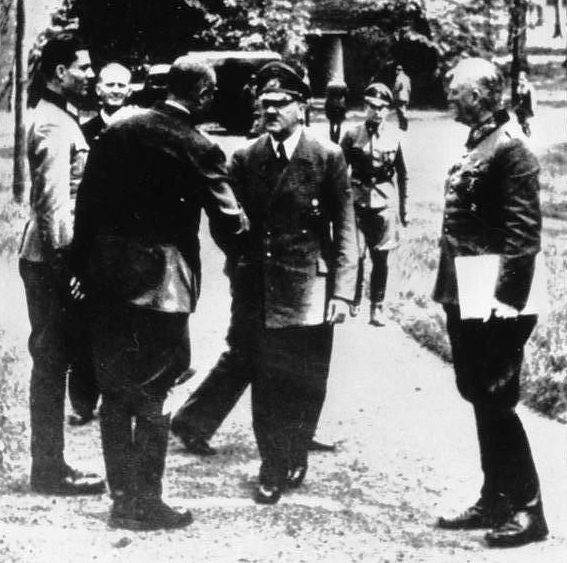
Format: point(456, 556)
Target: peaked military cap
point(378, 93)
point(276, 76)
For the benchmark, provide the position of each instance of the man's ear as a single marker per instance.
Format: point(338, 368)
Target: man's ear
point(476, 95)
point(60, 71)
point(97, 89)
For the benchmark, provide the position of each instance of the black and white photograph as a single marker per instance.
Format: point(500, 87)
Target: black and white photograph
point(283, 281)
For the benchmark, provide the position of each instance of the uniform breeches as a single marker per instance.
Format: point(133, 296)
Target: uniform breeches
point(49, 353)
point(288, 391)
point(487, 358)
point(138, 354)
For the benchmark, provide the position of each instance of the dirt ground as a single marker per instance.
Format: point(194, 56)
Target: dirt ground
point(406, 448)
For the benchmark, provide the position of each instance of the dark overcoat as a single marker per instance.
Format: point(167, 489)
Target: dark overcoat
point(301, 249)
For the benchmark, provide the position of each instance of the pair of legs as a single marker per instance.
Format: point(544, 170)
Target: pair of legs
point(401, 112)
point(138, 356)
point(49, 349)
point(335, 130)
point(372, 234)
point(83, 390)
point(487, 357)
point(288, 391)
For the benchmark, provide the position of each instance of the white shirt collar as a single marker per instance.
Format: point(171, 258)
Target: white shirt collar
point(177, 105)
point(290, 144)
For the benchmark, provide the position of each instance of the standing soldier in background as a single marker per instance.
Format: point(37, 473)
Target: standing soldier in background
point(402, 93)
point(335, 107)
point(112, 89)
point(379, 182)
point(526, 105)
point(492, 207)
point(57, 152)
point(136, 252)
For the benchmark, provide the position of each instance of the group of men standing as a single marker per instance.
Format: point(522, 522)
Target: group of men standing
point(120, 237)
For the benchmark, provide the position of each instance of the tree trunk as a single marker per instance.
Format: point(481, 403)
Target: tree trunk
point(517, 42)
point(19, 177)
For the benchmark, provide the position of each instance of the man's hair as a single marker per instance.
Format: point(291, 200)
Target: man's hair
point(114, 66)
point(61, 50)
point(484, 75)
point(186, 76)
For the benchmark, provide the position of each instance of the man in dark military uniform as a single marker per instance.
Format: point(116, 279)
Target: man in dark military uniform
point(136, 250)
point(293, 276)
point(492, 207)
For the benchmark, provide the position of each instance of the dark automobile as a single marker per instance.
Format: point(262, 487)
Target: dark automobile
point(233, 106)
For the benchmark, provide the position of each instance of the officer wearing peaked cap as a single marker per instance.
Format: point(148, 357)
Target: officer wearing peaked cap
point(276, 76)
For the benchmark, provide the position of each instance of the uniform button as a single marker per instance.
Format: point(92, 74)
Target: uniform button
point(269, 233)
point(473, 206)
point(269, 254)
point(303, 231)
point(182, 199)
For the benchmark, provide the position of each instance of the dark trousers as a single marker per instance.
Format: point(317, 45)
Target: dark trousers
point(208, 406)
point(50, 360)
point(378, 276)
point(138, 356)
point(83, 390)
point(487, 358)
point(288, 391)
point(401, 112)
point(335, 130)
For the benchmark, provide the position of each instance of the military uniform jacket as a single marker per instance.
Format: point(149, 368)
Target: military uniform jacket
point(492, 207)
point(301, 248)
point(374, 161)
point(57, 152)
point(139, 206)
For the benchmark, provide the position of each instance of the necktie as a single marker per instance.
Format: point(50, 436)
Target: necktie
point(282, 157)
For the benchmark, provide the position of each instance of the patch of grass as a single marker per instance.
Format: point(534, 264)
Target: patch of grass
point(12, 396)
point(554, 181)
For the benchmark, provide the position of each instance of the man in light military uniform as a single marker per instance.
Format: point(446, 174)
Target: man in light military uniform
point(492, 207)
point(57, 152)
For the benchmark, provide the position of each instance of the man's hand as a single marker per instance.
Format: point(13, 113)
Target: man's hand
point(501, 311)
point(337, 311)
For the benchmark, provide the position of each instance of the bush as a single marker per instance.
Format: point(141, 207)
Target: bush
point(554, 181)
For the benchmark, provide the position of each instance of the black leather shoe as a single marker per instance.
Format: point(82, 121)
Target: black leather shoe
point(268, 494)
point(480, 515)
point(148, 516)
point(315, 446)
point(70, 482)
point(522, 527)
point(193, 444)
point(80, 419)
point(296, 476)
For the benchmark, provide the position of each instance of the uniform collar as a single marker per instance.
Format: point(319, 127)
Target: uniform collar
point(290, 144)
point(481, 131)
point(178, 106)
point(61, 102)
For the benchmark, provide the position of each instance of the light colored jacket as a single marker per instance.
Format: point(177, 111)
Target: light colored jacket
point(57, 152)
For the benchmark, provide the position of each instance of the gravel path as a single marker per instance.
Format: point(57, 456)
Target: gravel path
point(407, 452)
